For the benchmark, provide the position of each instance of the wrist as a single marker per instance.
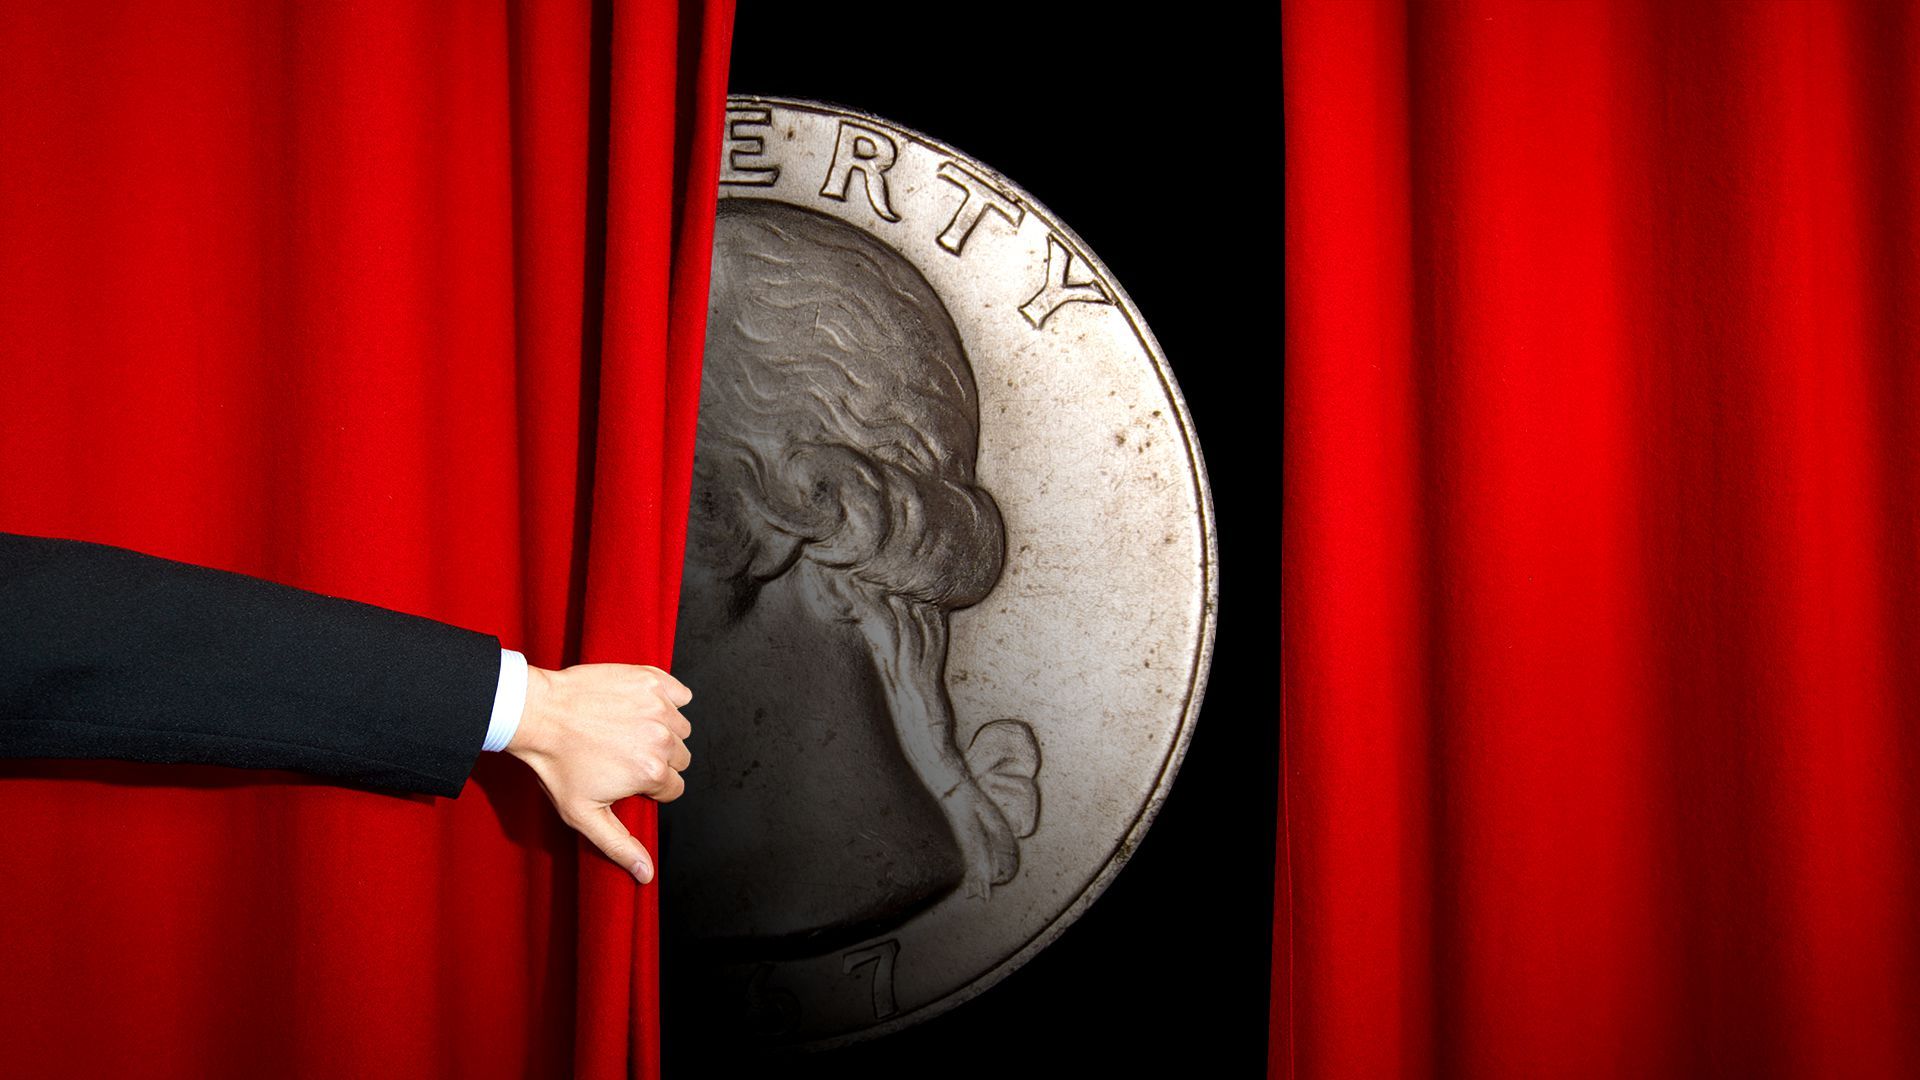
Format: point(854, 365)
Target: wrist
point(531, 736)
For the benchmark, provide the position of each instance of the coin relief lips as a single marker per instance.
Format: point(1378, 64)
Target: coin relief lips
point(948, 592)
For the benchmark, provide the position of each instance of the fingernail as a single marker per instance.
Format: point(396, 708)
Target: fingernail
point(642, 871)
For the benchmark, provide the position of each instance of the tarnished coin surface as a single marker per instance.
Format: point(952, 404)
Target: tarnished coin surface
point(947, 604)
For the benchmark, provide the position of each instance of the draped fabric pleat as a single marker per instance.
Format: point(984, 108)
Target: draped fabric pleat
point(1601, 681)
point(401, 302)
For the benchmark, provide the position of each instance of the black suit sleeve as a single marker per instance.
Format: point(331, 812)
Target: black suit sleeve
point(110, 653)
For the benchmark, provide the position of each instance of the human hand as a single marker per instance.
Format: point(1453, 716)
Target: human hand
point(596, 733)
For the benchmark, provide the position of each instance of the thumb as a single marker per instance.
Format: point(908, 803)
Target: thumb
point(604, 831)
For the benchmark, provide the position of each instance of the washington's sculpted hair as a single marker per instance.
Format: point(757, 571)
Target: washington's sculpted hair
point(839, 406)
point(839, 424)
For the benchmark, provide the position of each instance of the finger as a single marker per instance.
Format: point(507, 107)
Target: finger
point(670, 689)
point(604, 831)
point(665, 743)
point(673, 689)
point(670, 788)
point(676, 723)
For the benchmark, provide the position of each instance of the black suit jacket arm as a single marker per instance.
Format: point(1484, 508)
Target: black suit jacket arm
point(110, 653)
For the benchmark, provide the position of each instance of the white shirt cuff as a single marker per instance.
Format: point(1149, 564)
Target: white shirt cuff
point(509, 700)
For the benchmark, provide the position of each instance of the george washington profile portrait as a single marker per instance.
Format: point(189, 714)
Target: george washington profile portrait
point(835, 525)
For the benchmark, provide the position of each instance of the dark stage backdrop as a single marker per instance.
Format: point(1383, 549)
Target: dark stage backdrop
point(397, 301)
point(1602, 557)
point(1156, 137)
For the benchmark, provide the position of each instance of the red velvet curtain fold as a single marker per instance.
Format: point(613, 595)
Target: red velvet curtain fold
point(400, 302)
point(1602, 508)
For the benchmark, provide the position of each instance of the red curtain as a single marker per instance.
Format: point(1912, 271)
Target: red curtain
point(401, 302)
point(1601, 609)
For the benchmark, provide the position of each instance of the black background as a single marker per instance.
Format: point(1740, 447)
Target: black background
point(1157, 139)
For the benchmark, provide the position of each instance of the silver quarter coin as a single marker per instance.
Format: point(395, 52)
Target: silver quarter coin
point(947, 605)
